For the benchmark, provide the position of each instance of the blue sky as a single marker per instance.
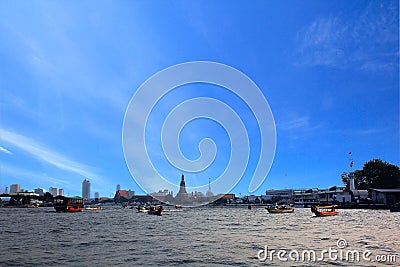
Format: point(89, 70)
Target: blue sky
point(328, 69)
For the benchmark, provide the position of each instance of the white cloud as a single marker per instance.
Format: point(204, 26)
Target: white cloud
point(359, 131)
point(296, 123)
point(365, 39)
point(299, 127)
point(45, 154)
point(2, 149)
point(29, 174)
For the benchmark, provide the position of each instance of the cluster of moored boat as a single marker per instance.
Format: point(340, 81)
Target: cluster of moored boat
point(319, 211)
point(150, 210)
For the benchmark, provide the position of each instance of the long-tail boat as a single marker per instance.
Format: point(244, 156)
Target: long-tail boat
point(324, 210)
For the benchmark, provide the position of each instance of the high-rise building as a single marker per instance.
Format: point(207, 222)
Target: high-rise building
point(53, 191)
point(118, 187)
point(86, 189)
point(15, 188)
point(61, 192)
point(96, 195)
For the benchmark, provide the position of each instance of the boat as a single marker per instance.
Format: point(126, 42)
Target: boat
point(280, 209)
point(93, 208)
point(142, 208)
point(324, 210)
point(395, 207)
point(155, 211)
point(68, 204)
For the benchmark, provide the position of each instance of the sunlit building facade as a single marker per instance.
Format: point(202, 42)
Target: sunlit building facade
point(86, 189)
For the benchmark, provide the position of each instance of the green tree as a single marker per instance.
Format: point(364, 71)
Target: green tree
point(375, 174)
point(381, 174)
point(47, 197)
point(359, 179)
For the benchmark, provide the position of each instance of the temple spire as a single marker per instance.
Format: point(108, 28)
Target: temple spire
point(182, 188)
point(209, 193)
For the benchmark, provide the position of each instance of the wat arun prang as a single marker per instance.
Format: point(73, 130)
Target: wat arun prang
point(195, 198)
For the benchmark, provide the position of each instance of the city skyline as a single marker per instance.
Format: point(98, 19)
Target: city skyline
point(329, 71)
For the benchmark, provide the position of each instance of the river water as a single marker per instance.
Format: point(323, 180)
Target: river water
point(205, 236)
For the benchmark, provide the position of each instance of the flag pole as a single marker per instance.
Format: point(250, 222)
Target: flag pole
point(351, 174)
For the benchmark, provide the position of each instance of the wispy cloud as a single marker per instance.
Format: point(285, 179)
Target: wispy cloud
point(299, 123)
point(366, 40)
point(359, 132)
point(47, 155)
point(2, 149)
point(299, 127)
point(296, 123)
point(29, 174)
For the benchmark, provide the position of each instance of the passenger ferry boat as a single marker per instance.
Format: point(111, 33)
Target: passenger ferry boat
point(324, 210)
point(69, 204)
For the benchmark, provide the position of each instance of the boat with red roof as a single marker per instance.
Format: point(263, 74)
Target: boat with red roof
point(68, 204)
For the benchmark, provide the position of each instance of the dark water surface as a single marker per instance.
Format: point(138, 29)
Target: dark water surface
point(206, 236)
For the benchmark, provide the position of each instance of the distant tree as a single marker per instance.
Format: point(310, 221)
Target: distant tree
point(359, 179)
point(375, 174)
point(47, 197)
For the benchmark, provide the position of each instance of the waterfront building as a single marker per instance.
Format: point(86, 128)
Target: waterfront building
point(121, 196)
point(335, 195)
point(306, 197)
point(144, 199)
point(124, 195)
point(131, 193)
point(385, 196)
point(196, 194)
point(163, 195)
point(40, 191)
point(15, 188)
point(252, 199)
point(86, 189)
point(360, 196)
point(225, 199)
point(278, 195)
